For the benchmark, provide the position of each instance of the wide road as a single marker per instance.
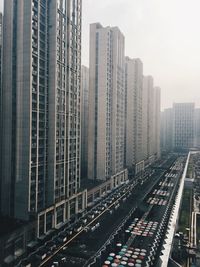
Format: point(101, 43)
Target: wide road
point(82, 246)
point(81, 243)
point(147, 231)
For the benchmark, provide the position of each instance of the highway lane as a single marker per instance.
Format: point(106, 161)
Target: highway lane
point(96, 219)
point(155, 214)
point(137, 196)
point(35, 262)
point(137, 189)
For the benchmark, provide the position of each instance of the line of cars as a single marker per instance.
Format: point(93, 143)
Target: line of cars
point(159, 198)
point(37, 255)
point(160, 194)
point(44, 249)
point(107, 205)
point(160, 215)
point(110, 203)
point(171, 175)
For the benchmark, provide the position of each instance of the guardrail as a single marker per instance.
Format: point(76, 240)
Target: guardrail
point(173, 220)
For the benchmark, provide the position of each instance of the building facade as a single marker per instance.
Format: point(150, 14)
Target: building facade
point(179, 127)
point(1, 48)
point(41, 111)
point(106, 102)
point(145, 119)
point(167, 130)
point(84, 119)
point(148, 118)
point(183, 126)
point(157, 121)
point(197, 127)
point(150, 121)
point(133, 127)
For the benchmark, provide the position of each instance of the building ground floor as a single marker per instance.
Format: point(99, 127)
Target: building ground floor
point(21, 237)
point(24, 236)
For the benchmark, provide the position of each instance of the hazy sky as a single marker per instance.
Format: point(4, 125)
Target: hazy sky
point(165, 34)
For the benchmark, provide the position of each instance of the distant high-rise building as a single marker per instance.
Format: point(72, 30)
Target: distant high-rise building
point(133, 133)
point(41, 111)
point(167, 130)
point(150, 120)
point(162, 131)
point(183, 125)
point(1, 46)
point(84, 119)
point(145, 118)
point(157, 121)
point(149, 115)
point(197, 127)
point(106, 103)
point(179, 127)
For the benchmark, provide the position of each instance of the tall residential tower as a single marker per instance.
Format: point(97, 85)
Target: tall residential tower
point(180, 127)
point(1, 48)
point(84, 119)
point(183, 125)
point(157, 149)
point(41, 111)
point(106, 103)
point(150, 120)
point(133, 133)
point(167, 130)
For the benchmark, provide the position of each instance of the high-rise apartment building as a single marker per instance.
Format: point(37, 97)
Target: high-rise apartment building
point(1, 47)
point(41, 111)
point(150, 120)
point(1, 44)
point(183, 125)
point(133, 129)
point(179, 127)
point(197, 127)
point(84, 119)
point(167, 129)
point(148, 115)
point(106, 103)
point(145, 119)
point(157, 121)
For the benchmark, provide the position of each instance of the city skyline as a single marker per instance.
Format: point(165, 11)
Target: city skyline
point(168, 48)
point(92, 173)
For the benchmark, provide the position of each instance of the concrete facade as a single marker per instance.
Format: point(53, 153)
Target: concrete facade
point(106, 102)
point(133, 129)
point(180, 127)
point(183, 124)
point(84, 119)
point(150, 120)
point(157, 121)
point(197, 127)
point(1, 48)
point(41, 111)
point(145, 118)
point(167, 130)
